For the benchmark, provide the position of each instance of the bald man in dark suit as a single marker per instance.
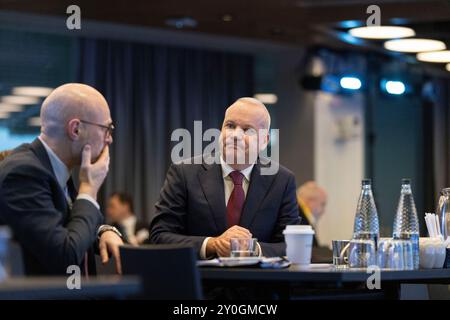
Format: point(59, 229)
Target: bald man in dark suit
point(206, 204)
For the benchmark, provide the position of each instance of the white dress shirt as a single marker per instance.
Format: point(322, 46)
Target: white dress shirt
point(228, 188)
point(62, 175)
point(129, 226)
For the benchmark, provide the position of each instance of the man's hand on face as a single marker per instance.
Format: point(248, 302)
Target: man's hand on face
point(92, 175)
point(109, 245)
point(221, 245)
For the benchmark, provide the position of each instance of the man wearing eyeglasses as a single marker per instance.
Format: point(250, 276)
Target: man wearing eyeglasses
point(57, 224)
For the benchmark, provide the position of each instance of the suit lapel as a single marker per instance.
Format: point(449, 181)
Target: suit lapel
point(212, 185)
point(257, 190)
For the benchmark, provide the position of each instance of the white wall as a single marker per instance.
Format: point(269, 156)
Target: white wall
point(338, 161)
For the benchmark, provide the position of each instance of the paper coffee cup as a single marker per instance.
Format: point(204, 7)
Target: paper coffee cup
point(299, 240)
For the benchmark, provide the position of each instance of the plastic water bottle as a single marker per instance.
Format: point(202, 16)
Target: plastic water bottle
point(366, 219)
point(406, 223)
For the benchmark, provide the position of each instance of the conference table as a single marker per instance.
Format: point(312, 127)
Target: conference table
point(318, 281)
point(101, 287)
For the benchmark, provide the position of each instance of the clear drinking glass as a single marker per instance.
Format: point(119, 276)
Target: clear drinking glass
point(395, 254)
point(340, 253)
point(384, 245)
point(361, 253)
point(396, 258)
point(408, 254)
point(241, 247)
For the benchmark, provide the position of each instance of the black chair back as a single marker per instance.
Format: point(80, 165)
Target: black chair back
point(168, 272)
point(15, 258)
point(105, 269)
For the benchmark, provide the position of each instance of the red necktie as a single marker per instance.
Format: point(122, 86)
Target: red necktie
point(236, 201)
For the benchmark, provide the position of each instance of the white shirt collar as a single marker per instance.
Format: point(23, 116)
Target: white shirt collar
point(60, 170)
point(129, 222)
point(226, 169)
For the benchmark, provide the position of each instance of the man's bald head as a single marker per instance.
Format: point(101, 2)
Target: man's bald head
point(75, 115)
point(245, 132)
point(310, 190)
point(255, 108)
point(69, 101)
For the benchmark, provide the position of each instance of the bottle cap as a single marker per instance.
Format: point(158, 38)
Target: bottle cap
point(366, 182)
point(406, 181)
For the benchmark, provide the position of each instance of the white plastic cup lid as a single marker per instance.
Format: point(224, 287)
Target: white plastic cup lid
point(298, 229)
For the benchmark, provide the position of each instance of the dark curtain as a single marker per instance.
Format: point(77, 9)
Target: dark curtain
point(429, 179)
point(441, 134)
point(153, 90)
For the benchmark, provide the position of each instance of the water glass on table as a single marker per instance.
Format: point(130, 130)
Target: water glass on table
point(340, 253)
point(241, 247)
point(361, 253)
point(395, 254)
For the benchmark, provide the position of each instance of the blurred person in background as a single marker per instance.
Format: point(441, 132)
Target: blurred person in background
point(120, 214)
point(4, 154)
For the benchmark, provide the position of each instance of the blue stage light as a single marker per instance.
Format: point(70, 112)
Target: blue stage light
point(393, 87)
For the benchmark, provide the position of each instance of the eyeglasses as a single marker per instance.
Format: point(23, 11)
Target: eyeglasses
point(109, 129)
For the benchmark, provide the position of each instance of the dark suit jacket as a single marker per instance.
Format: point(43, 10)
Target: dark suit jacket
point(32, 203)
point(304, 221)
point(192, 207)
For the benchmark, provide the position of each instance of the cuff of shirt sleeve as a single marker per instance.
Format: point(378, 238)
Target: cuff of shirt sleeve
point(203, 248)
point(87, 197)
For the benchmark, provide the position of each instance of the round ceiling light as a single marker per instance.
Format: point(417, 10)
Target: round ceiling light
point(434, 56)
point(414, 45)
point(20, 99)
point(382, 32)
point(32, 91)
